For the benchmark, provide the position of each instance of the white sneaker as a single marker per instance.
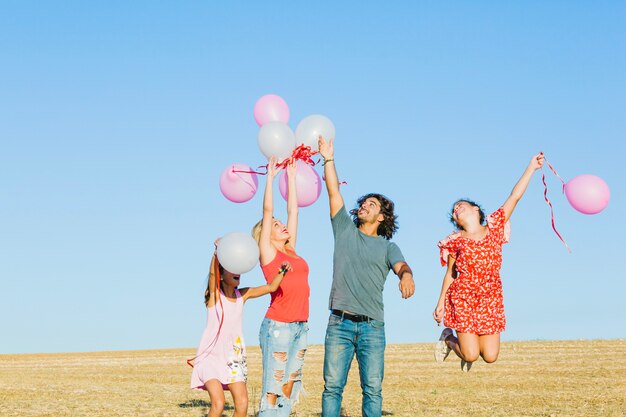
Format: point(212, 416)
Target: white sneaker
point(466, 366)
point(441, 347)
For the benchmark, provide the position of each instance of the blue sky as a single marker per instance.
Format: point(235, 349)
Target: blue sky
point(117, 119)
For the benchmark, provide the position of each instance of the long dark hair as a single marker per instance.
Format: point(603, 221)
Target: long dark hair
point(219, 270)
point(389, 225)
point(481, 213)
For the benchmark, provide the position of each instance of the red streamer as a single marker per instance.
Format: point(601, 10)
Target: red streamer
point(302, 153)
point(545, 196)
point(252, 172)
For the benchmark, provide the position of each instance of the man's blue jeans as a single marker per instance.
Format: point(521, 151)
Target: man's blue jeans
point(344, 338)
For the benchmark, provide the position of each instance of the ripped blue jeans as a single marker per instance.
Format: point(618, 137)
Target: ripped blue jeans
point(344, 339)
point(283, 346)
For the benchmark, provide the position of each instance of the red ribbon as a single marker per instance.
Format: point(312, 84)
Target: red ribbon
point(252, 172)
point(301, 152)
point(545, 196)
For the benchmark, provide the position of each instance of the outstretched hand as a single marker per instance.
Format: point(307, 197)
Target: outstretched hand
point(537, 161)
point(327, 149)
point(291, 168)
point(272, 168)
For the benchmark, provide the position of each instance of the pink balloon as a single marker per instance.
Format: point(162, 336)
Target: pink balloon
point(238, 187)
point(271, 108)
point(308, 184)
point(587, 193)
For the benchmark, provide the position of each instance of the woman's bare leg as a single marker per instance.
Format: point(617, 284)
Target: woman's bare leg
point(465, 345)
point(489, 347)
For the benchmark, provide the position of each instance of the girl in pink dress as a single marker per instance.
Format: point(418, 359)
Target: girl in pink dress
point(220, 362)
point(471, 293)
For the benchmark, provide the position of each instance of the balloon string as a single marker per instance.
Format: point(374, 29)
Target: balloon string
point(300, 153)
point(247, 180)
point(545, 196)
point(558, 176)
point(252, 172)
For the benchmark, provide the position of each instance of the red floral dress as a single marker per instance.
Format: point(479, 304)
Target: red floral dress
point(474, 302)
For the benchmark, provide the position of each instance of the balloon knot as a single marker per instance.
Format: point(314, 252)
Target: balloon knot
point(300, 153)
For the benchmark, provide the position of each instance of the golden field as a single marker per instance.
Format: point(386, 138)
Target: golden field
point(539, 378)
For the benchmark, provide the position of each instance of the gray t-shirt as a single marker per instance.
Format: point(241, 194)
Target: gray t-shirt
point(361, 264)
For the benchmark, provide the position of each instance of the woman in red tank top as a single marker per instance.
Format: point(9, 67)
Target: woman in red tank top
point(283, 333)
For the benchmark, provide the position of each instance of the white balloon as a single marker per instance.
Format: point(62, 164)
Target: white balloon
point(276, 139)
point(238, 252)
point(311, 128)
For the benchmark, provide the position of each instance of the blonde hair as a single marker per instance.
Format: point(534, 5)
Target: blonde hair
point(256, 231)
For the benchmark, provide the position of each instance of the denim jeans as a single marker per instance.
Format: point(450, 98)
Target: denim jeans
point(344, 338)
point(283, 346)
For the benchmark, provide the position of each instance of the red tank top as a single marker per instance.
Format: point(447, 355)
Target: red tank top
point(290, 302)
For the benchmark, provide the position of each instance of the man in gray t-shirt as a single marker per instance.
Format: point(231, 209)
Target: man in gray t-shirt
point(362, 260)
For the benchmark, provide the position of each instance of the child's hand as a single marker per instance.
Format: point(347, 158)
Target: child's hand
point(537, 161)
point(284, 268)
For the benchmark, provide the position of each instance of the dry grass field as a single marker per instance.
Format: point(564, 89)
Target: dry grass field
point(552, 379)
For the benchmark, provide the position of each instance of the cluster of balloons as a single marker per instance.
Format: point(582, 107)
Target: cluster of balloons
point(238, 252)
point(239, 183)
point(587, 193)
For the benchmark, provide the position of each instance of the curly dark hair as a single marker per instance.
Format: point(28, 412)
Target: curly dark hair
point(481, 213)
point(387, 227)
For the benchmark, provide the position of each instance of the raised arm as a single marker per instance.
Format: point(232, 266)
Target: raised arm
point(292, 203)
point(266, 249)
point(406, 284)
point(518, 191)
point(212, 288)
point(448, 278)
point(254, 292)
point(327, 150)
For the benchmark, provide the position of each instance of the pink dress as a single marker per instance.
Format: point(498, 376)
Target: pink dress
point(222, 355)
